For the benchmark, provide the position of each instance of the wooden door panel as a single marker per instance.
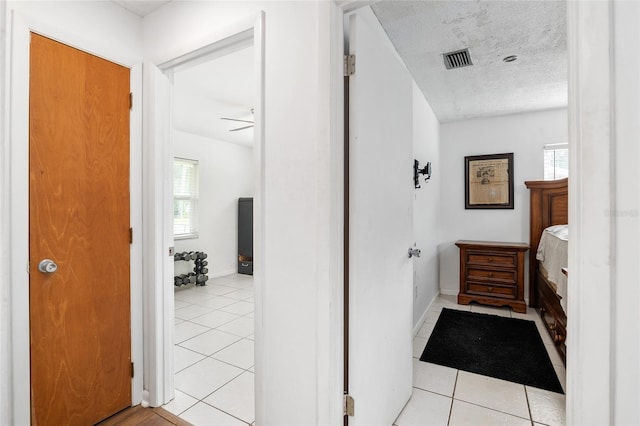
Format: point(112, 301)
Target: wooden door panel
point(79, 217)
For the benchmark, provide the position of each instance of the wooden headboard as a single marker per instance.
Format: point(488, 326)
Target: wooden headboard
point(549, 206)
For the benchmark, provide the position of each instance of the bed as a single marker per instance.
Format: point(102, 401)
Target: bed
point(547, 256)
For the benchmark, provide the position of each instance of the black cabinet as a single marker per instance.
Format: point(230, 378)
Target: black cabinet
point(245, 236)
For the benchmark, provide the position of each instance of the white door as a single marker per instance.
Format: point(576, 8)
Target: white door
point(380, 225)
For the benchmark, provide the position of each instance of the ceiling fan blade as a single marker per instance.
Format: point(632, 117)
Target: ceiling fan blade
point(236, 119)
point(241, 128)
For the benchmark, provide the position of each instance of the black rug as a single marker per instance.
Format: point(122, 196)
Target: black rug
point(505, 348)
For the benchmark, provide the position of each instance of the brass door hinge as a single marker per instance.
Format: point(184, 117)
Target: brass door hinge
point(348, 406)
point(130, 100)
point(132, 370)
point(130, 235)
point(349, 65)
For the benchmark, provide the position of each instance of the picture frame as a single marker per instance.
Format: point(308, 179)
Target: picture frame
point(488, 181)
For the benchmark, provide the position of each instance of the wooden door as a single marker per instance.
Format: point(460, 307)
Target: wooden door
point(380, 225)
point(79, 218)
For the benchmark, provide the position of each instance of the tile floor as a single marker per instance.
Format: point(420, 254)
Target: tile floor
point(213, 352)
point(445, 396)
point(213, 362)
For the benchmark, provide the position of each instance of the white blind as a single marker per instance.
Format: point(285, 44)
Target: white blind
point(185, 177)
point(556, 161)
point(185, 197)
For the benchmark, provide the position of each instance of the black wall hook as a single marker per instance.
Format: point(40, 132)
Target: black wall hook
point(426, 171)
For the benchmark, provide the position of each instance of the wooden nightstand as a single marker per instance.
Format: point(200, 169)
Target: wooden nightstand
point(492, 273)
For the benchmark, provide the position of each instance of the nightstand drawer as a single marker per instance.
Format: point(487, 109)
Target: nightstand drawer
point(508, 276)
point(504, 260)
point(492, 290)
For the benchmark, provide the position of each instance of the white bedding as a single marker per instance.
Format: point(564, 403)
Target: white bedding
point(552, 253)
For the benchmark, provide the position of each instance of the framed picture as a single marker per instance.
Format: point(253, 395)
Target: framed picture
point(488, 181)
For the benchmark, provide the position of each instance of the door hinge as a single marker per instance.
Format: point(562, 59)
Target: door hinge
point(130, 100)
point(130, 235)
point(349, 65)
point(132, 370)
point(348, 406)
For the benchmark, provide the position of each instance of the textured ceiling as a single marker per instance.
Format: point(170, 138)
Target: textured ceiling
point(535, 31)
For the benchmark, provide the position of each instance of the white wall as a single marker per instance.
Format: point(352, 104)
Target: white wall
point(298, 293)
point(5, 246)
point(106, 30)
point(626, 214)
point(426, 208)
point(226, 173)
point(524, 135)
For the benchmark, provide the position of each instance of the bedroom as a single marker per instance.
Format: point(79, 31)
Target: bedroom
point(479, 116)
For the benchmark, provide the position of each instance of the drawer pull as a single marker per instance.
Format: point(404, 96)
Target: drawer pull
point(557, 337)
point(490, 275)
point(490, 259)
point(490, 289)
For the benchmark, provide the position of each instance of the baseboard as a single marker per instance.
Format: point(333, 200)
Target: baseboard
point(219, 274)
point(416, 328)
point(448, 292)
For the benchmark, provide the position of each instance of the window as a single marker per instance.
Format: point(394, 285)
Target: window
point(185, 198)
point(556, 161)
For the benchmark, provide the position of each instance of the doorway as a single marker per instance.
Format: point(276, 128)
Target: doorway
point(18, 391)
point(162, 78)
point(419, 317)
point(214, 179)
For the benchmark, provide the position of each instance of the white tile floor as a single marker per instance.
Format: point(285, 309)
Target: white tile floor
point(213, 363)
point(445, 396)
point(213, 352)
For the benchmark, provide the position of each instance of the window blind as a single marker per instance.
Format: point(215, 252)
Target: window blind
point(556, 161)
point(185, 197)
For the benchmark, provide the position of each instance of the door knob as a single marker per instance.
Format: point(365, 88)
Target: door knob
point(414, 252)
point(47, 266)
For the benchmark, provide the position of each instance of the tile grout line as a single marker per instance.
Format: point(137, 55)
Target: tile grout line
point(453, 394)
point(228, 414)
point(492, 409)
point(211, 355)
point(526, 394)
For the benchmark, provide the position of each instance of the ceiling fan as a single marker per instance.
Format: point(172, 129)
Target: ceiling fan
point(250, 122)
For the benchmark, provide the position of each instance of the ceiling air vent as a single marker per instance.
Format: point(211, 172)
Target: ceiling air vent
point(457, 59)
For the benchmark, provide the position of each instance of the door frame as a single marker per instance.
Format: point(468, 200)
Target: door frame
point(592, 362)
point(17, 225)
point(159, 298)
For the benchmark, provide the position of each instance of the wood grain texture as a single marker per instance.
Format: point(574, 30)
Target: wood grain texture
point(549, 205)
point(79, 217)
point(136, 416)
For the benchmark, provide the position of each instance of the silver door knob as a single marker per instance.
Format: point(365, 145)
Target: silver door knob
point(414, 252)
point(47, 266)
